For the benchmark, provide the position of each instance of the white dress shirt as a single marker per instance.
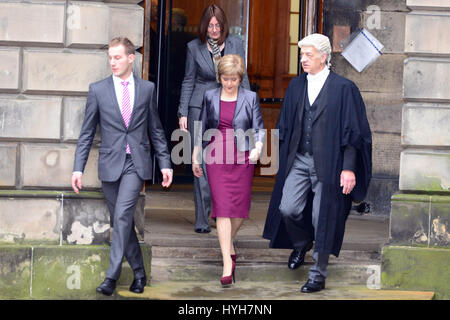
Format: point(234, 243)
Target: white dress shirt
point(118, 87)
point(315, 83)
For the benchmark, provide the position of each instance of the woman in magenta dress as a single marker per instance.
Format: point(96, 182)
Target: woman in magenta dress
point(231, 115)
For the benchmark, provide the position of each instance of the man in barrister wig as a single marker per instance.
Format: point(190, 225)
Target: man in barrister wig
point(325, 162)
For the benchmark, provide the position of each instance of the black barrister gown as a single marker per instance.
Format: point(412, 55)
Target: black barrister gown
point(340, 120)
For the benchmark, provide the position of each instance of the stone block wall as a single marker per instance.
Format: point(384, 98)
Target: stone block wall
point(50, 51)
point(420, 212)
point(381, 84)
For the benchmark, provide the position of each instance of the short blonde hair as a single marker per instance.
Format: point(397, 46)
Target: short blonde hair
point(231, 64)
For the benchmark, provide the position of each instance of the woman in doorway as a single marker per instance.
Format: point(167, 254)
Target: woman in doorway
point(203, 55)
point(231, 154)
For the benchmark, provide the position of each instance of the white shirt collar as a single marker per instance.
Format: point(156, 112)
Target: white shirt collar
point(320, 76)
point(119, 81)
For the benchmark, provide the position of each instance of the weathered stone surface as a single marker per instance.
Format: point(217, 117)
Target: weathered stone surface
point(51, 165)
point(363, 5)
point(29, 220)
point(87, 26)
point(8, 156)
point(440, 221)
point(38, 216)
point(426, 124)
point(73, 272)
point(15, 272)
point(425, 170)
point(379, 195)
point(87, 221)
point(124, 1)
point(425, 33)
point(410, 220)
point(134, 15)
point(137, 64)
point(9, 69)
point(428, 4)
point(384, 75)
point(36, 23)
point(24, 118)
point(426, 78)
point(385, 154)
point(384, 111)
point(390, 31)
point(74, 109)
point(63, 71)
point(416, 269)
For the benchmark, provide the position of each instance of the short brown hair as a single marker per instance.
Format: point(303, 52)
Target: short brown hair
point(117, 41)
point(231, 64)
point(213, 11)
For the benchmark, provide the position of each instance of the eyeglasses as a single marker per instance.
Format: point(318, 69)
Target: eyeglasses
point(212, 26)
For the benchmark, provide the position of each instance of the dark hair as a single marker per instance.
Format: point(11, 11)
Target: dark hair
point(213, 11)
point(129, 46)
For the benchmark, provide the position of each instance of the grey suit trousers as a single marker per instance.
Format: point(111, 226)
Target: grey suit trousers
point(121, 197)
point(202, 194)
point(301, 179)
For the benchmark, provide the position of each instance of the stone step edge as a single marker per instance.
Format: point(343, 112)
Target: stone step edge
point(249, 255)
point(177, 262)
point(151, 292)
point(253, 243)
point(184, 270)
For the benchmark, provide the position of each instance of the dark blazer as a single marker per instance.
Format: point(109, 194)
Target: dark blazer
point(102, 108)
point(247, 115)
point(200, 74)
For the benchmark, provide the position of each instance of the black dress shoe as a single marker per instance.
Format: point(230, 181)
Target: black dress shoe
point(138, 285)
point(201, 230)
point(107, 287)
point(297, 257)
point(313, 286)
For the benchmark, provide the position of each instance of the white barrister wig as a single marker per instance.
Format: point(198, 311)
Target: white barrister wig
point(318, 41)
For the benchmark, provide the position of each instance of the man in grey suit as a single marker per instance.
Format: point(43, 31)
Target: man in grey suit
point(125, 108)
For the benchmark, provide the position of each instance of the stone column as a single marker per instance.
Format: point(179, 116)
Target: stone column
point(50, 51)
point(420, 212)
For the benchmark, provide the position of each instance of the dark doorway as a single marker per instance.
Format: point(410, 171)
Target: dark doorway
point(173, 24)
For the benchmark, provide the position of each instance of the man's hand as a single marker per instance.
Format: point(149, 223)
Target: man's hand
point(348, 181)
point(167, 177)
point(198, 172)
point(76, 182)
point(183, 123)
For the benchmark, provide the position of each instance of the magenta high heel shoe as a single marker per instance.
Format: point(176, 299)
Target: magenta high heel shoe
point(234, 257)
point(228, 280)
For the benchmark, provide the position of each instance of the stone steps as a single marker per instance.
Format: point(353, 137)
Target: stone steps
point(278, 290)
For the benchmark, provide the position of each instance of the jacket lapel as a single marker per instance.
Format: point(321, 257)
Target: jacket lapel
point(206, 56)
point(322, 98)
point(216, 106)
point(228, 46)
point(239, 103)
point(136, 97)
point(115, 103)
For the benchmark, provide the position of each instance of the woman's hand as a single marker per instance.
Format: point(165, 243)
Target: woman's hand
point(255, 153)
point(198, 172)
point(183, 123)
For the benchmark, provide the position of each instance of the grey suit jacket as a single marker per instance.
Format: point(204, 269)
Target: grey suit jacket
point(247, 115)
point(200, 74)
point(102, 108)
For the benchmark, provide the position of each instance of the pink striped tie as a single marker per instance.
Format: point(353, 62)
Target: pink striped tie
point(126, 108)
